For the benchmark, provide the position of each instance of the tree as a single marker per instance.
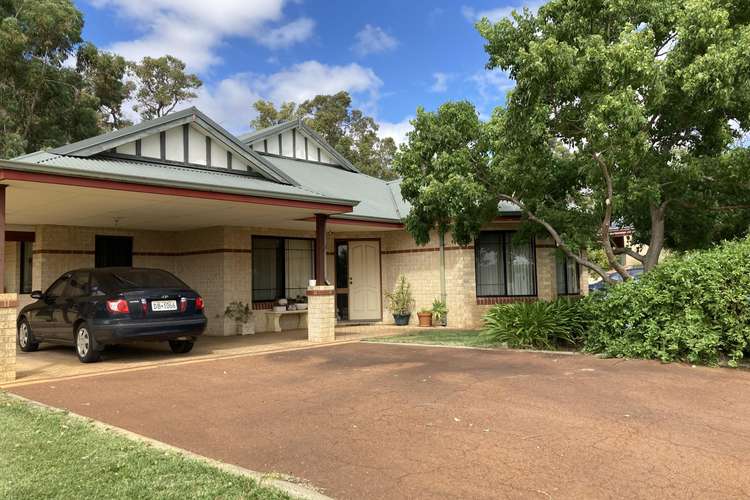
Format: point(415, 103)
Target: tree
point(161, 84)
point(43, 103)
point(349, 131)
point(624, 111)
point(104, 74)
point(444, 166)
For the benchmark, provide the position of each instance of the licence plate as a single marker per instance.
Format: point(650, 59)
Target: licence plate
point(164, 305)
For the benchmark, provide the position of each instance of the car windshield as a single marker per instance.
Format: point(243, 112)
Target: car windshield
point(142, 278)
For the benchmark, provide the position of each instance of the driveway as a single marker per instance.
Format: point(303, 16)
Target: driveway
point(392, 421)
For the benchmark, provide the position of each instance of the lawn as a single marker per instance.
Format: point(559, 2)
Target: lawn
point(48, 454)
point(439, 336)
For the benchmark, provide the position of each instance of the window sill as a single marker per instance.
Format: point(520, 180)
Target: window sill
point(505, 299)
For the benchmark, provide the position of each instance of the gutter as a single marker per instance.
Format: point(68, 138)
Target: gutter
point(77, 173)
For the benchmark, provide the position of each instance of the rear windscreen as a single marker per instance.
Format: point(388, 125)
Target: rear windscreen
point(140, 278)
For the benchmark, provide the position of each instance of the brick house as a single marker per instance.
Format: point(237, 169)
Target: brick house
point(250, 218)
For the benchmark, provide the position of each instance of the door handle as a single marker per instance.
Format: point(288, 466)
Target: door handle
point(350, 280)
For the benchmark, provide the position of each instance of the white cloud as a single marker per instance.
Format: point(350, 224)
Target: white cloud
point(289, 34)
point(193, 30)
point(229, 101)
point(441, 82)
point(397, 130)
point(492, 87)
point(473, 15)
point(372, 40)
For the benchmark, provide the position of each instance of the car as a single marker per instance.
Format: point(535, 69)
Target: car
point(599, 284)
point(94, 308)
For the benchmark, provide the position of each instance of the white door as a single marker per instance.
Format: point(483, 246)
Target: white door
point(364, 280)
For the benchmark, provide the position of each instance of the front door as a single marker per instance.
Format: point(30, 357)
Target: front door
point(364, 280)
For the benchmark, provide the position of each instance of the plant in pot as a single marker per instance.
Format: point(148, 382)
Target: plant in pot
point(400, 301)
point(425, 317)
point(440, 311)
point(242, 316)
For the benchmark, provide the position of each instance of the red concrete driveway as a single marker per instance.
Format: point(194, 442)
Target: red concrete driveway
point(390, 421)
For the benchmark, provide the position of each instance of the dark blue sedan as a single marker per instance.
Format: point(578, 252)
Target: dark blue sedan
point(91, 308)
point(635, 272)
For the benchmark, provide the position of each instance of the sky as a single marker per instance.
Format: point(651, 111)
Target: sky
point(391, 56)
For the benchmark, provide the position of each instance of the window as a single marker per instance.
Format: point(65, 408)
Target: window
point(282, 267)
point(114, 251)
point(78, 286)
point(56, 289)
point(504, 267)
point(567, 275)
point(25, 256)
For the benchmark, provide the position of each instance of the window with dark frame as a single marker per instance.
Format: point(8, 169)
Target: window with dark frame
point(281, 267)
point(504, 267)
point(25, 262)
point(567, 271)
point(113, 251)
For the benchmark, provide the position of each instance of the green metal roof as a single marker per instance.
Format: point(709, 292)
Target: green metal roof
point(168, 175)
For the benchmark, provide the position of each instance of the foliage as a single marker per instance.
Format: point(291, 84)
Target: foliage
point(238, 311)
point(641, 94)
point(43, 102)
point(693, 307)
point(349, 131)
point(104, 74)
point(400, 301)
point(444, 170)
point(536, 325)
point(440, 311)
point(48, 454)
point(161, 85)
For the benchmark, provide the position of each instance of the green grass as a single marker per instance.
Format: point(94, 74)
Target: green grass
point(439, 336)
point(48, 454)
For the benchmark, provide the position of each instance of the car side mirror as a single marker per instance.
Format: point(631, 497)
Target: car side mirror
point(37, 294)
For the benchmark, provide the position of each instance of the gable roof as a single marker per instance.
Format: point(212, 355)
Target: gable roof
point(104, 142)
point(265, 133)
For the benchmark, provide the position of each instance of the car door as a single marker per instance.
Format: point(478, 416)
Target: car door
point(42, 318)
point(74, 298)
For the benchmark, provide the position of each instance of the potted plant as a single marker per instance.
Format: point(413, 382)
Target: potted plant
point(400, 301)
point(425, 317)
point(242, 315)
point(440, 311)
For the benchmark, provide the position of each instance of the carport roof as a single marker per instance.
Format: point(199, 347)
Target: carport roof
point(169, 175)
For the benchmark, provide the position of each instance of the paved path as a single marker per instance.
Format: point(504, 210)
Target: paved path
point(392, 421)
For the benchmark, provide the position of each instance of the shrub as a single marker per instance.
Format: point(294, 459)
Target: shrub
point(400, 300)
point(694, 308)
point(535, 325)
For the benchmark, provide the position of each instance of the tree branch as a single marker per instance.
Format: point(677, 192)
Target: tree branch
point(607, 221)
point(557, 239)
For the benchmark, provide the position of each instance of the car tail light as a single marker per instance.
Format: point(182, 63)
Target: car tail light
point(183, 304)
point(118, 306)
point(199, 304)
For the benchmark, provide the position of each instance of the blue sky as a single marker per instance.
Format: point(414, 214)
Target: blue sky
point(392, 56)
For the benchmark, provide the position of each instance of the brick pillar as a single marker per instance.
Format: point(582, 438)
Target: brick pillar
point(321, 314)
point(8, 303)
point(546, 272)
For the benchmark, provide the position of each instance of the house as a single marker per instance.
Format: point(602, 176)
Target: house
point(250, 218)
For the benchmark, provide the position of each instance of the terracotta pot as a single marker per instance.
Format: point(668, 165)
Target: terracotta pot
point(425, 318)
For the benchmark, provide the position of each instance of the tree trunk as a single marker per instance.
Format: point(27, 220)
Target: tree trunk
point(656, 243)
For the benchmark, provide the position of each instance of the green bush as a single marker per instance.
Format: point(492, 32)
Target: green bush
point(694, 308)
point(535, 325)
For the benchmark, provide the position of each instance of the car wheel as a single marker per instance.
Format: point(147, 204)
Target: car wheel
point(26, 340)
point(181, 346)
point(86, 347)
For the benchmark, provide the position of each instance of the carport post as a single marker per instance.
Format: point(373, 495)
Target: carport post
point(2, 237)
point(320, 248)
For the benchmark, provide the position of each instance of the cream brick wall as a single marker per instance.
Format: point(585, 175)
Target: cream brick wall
point(321, 315)
point(7, 338)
